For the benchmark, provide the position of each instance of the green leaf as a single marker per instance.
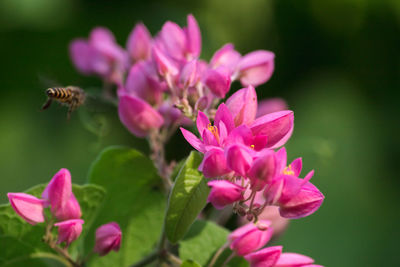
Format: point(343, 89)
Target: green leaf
point(187, 199)
point(190, 263)
point(21, 243)
point(134, 201)
point(202, 241)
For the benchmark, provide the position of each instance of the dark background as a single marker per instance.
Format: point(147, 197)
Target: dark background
point(337, 65)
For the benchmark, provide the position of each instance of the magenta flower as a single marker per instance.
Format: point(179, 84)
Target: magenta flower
point(262, 171)
point(226, 56)
point(189, 74)
point(250, 237)
point(218, 81)
point(99, 55)
point(294, 260)
point(193, 36)
point(243, 106)
point(139, 43)
point(28, 207)
point(138, 116)
point(239, 158)
point(266, 257)
point(256, 67)
point(108, 237)
point(69, 231)
point(224, 193)
point(143, 82)
point(214, 164)
point(58, 194)
point(165, 65)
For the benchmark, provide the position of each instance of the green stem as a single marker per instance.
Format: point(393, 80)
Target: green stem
point(148, 259)
point(218, 254)
point(228, 259)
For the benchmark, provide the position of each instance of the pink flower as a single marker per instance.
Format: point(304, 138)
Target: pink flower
point(218, 81)
point(256, 67)
point(69, 231)
point(226, 56)
point(139, 43)
point(143, 82)
point(58, 194)
point(224, 193)
point(108, 237)
point(294, 260)
point(189, 76)
point(262, 171)
point(239, 159)
point(266, 257)
point(277, 126)
point(174, 40)
point(100, 55)
point(28, 207)
point(165, 65)
point(250, 237)
point(243, 105)
point(138, 116)
point(214, 164)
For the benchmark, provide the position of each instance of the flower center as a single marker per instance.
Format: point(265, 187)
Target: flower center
point(214, 131)
point(288, 170)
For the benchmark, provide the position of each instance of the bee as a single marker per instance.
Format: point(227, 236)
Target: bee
point(71, 96)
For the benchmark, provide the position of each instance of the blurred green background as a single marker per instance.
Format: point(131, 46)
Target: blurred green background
point(337, 65)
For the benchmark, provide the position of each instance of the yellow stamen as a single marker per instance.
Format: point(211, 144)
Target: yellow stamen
point(214, 131)
point(288, 170)
point(252, 147)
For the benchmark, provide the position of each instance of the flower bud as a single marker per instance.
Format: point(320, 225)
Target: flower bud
point(224, 193)
point(139, 43)
point(28, 207)
point(249, 237)
point(165, 65)
point(214, 164)
point(239, 159)
point(243, 105)
point(108, 237)
point(266, 257)
point(262, 170)
point(256, 67)
point(138, 116)
point(188, 76)
point(69, 231)
point(174, 40)
point(218, 81)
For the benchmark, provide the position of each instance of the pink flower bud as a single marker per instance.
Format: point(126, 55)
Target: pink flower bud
point(214, 164)
point(277, 126)
point(142, 81)
point(138, 116)
point(256, 67)
point(262, 170)
point(293, 260)
point(58, 194)
point(174, 40)
point(226, 56)
point(188, 76)
point(306, 202)
point(243, 105)
point(224, 193)
point(249, 237)
point(239, 159)
point(139, 43)
point(218, 81)
point(266, 257)
point(108, 237)
point(28, 207)
point(271, 105)
point(165, 65)
point(193, 36)
point(69, 231)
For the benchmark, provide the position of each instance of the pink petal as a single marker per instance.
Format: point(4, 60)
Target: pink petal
point(81, 55)
point(239, 159)
point(277, 126)
point(226, 56)
point(223, 114)
point(174, 40)
point(193, 140)
point(266, 257)
point(243, 105)
point(188, 75)
point(27, 206)
point(293, 260)
point(193, 36)
point(139, 43)
point(271, 105)
point(202, 122)
point(256, 67)
point(262, 170)
point(224, 193)
point(165, 65)
point(218, 81)
point(296, 166)
point(214, 164)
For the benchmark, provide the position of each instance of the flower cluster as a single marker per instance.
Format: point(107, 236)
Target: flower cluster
point(161, 78)
point(239, 152)
point(65, 214)
point(247, 240)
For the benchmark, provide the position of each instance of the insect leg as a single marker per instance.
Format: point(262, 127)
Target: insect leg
point(47, 104)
